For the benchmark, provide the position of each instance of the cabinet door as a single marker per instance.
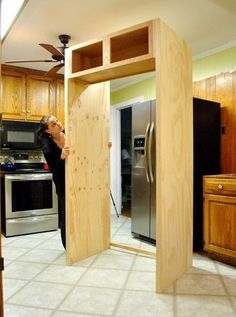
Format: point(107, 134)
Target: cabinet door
point(220, 224)
point(39, 97)
point(13, 95)
point(59, 105)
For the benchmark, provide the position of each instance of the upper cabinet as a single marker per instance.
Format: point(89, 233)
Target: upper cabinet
point(13, 95)
point(29, 94)
point(39, 97)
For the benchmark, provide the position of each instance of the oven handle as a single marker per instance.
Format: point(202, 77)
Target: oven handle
point(25, 177)
point(30, 219)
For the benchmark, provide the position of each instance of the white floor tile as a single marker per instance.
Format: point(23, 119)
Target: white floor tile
point(145, 304)
point(23, 270)
point(230, 283)
point(41, 256)
point(143, 263)
point(21, 311)
point(200, 284)
point(101, 301)
point(201, 266)
point(143, 281)
point(12, 253)
point(104, 278)
point(61, 274)
point(26, 242)
point(41, 295)
point(204, 306)
point(11, 286)
point(111, 261)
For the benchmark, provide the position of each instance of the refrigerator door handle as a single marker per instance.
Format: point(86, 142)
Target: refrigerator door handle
point(146, 152)
point(150, 140)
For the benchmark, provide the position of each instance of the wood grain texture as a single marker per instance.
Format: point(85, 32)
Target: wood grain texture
point(39, 97)
point(174, 117)
point(87, 173)
point(13, 95)
point(87, 107)
point(220, 215)
point(222, 88)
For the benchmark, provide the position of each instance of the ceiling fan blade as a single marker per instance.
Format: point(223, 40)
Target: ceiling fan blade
point(53, 50)
point(30, 61)
point(54, 70)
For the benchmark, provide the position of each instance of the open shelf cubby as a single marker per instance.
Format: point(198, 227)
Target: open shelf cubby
point(129, 45)
point(87, 57)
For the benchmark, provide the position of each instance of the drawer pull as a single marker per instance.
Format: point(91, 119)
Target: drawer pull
point(220, 186)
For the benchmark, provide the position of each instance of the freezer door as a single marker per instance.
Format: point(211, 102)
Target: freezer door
point(152, 143)
point(140, 187)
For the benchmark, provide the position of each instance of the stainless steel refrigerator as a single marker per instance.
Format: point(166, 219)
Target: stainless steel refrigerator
point(143, 179)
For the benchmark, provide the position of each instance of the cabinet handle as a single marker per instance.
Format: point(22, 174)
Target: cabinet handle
point(23, 111)
point(220, 186)
point(28, 111)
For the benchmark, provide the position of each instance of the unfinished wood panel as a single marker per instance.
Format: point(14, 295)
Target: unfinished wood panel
point(87, 57)
point(120, 69)
point(171, 58)
point(87, 177)
point(174, 117)
point(117, 55)
point(129, 45)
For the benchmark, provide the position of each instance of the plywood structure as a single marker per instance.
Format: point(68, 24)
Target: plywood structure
point(142, 48)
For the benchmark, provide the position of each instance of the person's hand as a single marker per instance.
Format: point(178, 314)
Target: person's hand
point(65, 152)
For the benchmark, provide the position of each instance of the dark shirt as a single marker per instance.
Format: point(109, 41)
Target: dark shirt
point(52, 154)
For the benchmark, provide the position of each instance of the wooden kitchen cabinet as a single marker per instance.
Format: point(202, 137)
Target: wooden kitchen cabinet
point(39, 97)
point(13, 95)
point(220, 216)
point(29, 94)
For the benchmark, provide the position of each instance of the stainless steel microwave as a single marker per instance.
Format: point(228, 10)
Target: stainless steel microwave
point(18, 135)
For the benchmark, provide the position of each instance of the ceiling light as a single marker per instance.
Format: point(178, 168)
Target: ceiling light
point(10, 9)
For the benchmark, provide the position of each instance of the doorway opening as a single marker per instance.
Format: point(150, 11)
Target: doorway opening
point(126, 142)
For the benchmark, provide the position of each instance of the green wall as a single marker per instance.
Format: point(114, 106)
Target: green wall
point(224, 61)
point(145, 88)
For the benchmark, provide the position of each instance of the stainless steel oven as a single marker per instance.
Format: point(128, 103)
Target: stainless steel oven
point(31, 203)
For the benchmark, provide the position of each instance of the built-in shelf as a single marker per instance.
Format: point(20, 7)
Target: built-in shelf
point(129, 45)
point(87, 57)
point(114, 56)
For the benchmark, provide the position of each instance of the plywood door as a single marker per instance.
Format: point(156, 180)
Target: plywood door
point(87, 178)
point(174, 125)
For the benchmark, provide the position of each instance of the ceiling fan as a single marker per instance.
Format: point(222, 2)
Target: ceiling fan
point(58, 55)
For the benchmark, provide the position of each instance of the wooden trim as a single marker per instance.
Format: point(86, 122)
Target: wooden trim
point(10, 68)
point(132, 249)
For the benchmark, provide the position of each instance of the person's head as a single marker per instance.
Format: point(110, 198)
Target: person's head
point(48, 126)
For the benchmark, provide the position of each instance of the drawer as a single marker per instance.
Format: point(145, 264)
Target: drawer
point(219, 186)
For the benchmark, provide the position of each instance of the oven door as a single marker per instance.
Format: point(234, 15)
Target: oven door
point(30, 194)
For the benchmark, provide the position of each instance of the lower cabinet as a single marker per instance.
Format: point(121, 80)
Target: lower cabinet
point(220, 217)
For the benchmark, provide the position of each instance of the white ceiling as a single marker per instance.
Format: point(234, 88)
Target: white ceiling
point(205, 24)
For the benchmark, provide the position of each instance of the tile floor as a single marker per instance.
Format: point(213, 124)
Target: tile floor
point(115, 283)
